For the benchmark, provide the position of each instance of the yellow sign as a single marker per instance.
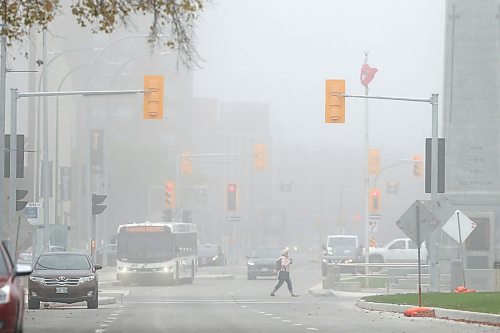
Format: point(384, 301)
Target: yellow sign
point(153, 97)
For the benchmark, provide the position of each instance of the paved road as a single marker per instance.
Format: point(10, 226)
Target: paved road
point(233, 306)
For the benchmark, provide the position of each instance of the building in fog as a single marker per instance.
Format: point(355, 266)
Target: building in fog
point(472, 131)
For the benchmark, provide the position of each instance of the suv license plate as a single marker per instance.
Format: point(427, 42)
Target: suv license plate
point(61, 290)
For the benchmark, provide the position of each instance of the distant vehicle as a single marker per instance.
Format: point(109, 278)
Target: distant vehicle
point(159, 251)
point(342, 249)
point(64, 277)
point(262, 262)
point(56, 248)
point(210, 255)
point(110, 251)
point(11, 292)
point(399, 250)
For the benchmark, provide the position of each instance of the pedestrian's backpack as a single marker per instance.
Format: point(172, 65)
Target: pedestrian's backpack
point(278, 264)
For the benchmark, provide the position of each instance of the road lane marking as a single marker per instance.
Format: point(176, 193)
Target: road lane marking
point(287, 321)
point(311, 329)
point(227, 301)
point(276, 317)
point(297, 324)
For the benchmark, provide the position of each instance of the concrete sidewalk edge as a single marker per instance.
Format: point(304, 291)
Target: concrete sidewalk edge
point(440, 313)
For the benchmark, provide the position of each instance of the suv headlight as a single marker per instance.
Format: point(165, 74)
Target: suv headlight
point(37, 280)
point(87, 279)
point(5, 294)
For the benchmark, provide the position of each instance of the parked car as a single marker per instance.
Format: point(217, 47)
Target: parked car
point(262, 262)
point(210, 255)
point(342, 249)
point(11, 292)
point(65, 277)
point(399, 250)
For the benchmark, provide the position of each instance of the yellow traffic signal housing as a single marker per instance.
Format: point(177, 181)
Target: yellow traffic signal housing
point(374, 161)
point(418, 165)
point(260, 156)
point(335, 101)
point(153, 97)
point(374, 200)
point(169, 194)
point(186, 163)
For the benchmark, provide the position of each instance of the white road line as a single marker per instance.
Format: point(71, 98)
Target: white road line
point(311, 329)
point(287, 321)
point(297, 324)
point(104, 325)
point(227, 301)
point(268, 314)
point(261, 312)
point(276, 317)
point(99, 330)
point(244, 306)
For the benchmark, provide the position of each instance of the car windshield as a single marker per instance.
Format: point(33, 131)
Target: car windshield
point(341, 242)
point(266, 252)
point(208, 250)
point(63, 262)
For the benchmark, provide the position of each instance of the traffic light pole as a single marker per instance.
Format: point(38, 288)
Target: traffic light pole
point(433, 243)
point(15, 96)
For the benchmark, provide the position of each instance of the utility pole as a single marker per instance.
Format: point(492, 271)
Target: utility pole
point(3, 74)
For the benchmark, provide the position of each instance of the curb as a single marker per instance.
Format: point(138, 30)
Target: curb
point(440, 313)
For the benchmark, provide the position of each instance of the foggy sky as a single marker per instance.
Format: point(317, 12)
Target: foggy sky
point(280, 52)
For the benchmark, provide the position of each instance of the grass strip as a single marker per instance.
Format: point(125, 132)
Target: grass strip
point(485, 302)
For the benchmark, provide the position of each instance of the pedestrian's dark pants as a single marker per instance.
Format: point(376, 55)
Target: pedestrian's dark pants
point(284, 277)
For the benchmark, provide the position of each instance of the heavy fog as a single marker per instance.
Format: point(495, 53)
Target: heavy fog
point(260, 81)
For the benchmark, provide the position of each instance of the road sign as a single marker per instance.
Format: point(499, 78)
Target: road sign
point(373, 222)
point(233, 219)
point(31, 211)
point(459, 231)
point(424, 217)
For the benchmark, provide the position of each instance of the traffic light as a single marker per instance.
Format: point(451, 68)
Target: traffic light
point(153, 97)
point(374, 200)
point(97, 206)
point(20, 204)
point(418, 165)
point(373, 161)
point(186, 163)
point(231, 197)
point(335, 101)
point(259, 156)
point(170, 194)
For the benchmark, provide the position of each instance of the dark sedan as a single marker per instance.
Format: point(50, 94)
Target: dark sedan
point(262, 262)
point(65, 277)
point(11, 293)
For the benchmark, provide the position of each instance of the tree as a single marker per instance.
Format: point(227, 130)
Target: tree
point(18, 16)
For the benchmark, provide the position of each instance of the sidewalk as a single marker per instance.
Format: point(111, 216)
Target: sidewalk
point(466, 316)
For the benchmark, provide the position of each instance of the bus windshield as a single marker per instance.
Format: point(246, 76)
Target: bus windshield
point(145, 247)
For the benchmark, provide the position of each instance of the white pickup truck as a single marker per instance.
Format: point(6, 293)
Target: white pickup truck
point(399, 250)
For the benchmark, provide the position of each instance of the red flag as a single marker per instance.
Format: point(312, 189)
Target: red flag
point(367, 74)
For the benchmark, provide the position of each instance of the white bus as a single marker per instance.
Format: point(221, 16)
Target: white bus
point(156, 252)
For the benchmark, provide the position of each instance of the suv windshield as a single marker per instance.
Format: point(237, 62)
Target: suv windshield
point(341, 241)
point(63, 262)
point(208, 250)
point(266, 252)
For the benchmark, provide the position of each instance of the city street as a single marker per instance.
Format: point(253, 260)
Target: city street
point(233, 305)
